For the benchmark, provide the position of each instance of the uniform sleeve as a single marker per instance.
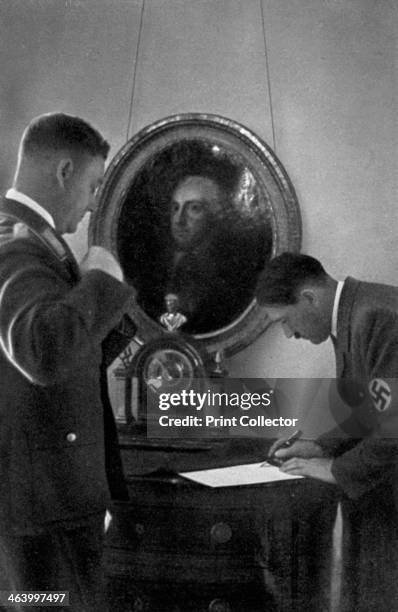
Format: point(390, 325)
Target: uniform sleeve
point(118, 339)
point(48, 327)
point(372, 460)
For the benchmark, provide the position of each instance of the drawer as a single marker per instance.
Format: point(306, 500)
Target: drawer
point(156, 528)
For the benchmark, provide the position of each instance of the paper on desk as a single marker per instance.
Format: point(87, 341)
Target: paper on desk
point(236, 475)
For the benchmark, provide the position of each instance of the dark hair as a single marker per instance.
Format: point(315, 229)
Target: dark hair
point(57, 131)
point(284, 275)
point(193, 158)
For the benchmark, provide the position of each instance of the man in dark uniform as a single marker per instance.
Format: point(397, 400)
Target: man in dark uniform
point(58, 460)
point(361, 454)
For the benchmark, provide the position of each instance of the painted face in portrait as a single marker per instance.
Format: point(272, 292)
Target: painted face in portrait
point(194, 204)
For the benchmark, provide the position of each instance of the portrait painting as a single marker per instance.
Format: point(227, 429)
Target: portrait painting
point(193, 207)
point(192, 225)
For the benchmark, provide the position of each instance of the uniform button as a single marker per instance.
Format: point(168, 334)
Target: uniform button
point(71, 437)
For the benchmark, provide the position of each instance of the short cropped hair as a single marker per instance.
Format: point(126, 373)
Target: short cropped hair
point(284, 276)
point(58, 131)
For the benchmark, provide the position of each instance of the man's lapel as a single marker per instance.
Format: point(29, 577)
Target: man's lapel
point(43, 231)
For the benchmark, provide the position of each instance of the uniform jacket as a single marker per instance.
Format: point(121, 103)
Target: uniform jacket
point(367, 372)
point(366, 451)
point(52, 438)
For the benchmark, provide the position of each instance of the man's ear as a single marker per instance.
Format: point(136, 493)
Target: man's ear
point(309, 296)
point(64, 171)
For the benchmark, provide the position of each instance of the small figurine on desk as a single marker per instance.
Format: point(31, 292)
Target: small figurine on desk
point(172, 319)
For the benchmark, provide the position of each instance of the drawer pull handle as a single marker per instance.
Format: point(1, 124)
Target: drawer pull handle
point(221, 533)
point(139, 529)
point(219, 605)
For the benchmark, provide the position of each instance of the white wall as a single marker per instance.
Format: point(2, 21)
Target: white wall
point(332, 76)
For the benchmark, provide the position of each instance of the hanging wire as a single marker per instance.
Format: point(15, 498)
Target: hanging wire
point(268, 77)
point(137, 52)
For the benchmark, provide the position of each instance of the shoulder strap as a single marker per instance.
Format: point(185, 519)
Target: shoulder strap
point(42, 230)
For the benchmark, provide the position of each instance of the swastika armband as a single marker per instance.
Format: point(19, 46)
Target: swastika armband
point(381, 394)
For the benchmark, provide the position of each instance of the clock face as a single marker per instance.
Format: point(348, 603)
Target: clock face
point(168, 370)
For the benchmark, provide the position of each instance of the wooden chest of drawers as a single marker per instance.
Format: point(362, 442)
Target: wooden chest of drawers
point(177, 546)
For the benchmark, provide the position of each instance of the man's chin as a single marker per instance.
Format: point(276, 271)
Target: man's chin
point(70, 230)
point(317, 340)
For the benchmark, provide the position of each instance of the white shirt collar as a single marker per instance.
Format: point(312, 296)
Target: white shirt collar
point(336, 303)
point(14, 194)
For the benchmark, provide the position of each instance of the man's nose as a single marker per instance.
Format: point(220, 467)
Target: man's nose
point(287, 331)
point(180, 217)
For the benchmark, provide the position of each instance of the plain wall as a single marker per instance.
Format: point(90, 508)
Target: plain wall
point(325, 101)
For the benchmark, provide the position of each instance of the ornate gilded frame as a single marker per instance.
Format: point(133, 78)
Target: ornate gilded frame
point(272, 181)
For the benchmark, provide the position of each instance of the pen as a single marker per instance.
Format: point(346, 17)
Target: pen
point(290, 440)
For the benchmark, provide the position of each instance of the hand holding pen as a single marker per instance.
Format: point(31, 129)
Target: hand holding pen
point(279, 444)
point(293, 446)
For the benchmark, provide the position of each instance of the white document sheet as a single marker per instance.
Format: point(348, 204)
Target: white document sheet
point(236, 475)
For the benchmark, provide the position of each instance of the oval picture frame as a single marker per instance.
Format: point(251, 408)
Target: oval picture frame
point(119, 206)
